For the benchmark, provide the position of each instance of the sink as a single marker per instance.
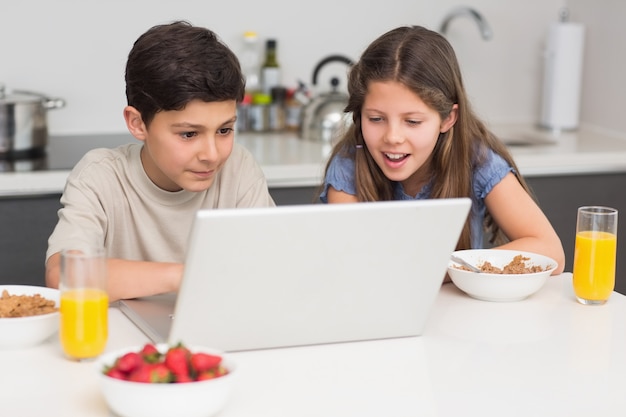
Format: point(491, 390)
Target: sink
point(527, 140)
point(527, 136)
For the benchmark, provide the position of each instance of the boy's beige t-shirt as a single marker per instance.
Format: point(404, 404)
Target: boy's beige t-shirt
point(109, 200)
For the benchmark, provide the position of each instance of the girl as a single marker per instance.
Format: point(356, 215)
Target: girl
point(415, 136)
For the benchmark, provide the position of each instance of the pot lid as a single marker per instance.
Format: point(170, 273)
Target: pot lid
point(29, 97)
point(18, 96)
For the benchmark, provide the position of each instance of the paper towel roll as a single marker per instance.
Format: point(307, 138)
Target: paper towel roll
point(560, 108)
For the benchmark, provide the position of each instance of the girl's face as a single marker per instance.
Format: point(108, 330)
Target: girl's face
point(186, 149)
point(400, 132)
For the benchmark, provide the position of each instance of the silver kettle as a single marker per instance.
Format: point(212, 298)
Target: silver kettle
point(324, 117)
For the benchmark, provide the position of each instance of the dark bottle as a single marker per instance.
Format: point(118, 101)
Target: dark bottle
point(270, 71)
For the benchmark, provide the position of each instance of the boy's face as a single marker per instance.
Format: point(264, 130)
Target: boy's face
point(185, 149)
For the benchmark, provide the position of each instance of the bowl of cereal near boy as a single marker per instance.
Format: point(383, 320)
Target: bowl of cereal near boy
point(28, 315)
point(506, 275)
point(166, 380)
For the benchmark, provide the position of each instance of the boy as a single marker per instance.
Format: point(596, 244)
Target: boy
point(139, 200)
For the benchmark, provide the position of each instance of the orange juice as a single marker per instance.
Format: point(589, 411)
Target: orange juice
point(594, 265)
point(84, 322)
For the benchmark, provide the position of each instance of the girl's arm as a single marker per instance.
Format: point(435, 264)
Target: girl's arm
point(335, 196)
point(523, 222)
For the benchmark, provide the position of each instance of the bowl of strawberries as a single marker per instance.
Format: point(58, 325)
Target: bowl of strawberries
point(157, 380)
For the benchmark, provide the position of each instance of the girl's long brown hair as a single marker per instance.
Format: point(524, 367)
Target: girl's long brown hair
point(425, 62)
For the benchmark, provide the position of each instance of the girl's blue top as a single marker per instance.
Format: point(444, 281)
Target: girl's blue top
point(340, 176)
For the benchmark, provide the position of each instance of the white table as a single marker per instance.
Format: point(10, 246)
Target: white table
point(544, 356)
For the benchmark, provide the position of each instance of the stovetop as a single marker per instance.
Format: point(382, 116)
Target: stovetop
point(62, 152)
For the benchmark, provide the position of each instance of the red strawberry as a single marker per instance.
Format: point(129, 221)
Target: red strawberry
point(115, 373)
point(203, 376)
point(221, 371)
point(160, 373)
point(141, 374)
point(212, 373)
point(182, 378)
point(151, 373)
point(129, 362)
point(201, 361)
point(177, 360)
point(150, 353)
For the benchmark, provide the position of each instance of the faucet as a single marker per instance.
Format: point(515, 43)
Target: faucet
point(483, 26)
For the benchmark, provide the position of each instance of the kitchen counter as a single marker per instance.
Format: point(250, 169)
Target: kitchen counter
point(543, 356)
point(289, 161)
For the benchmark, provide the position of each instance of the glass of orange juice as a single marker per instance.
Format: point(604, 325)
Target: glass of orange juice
point(594, 254)
point(84, 306)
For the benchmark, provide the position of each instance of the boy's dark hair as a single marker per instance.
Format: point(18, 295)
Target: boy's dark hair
point(173, 64)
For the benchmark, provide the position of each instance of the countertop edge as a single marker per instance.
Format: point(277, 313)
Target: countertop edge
point(289, 161)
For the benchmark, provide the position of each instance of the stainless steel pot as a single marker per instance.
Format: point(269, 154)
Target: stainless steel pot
point(324, 117)
point(23, 122)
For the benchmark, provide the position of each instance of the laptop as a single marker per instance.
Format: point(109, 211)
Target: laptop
point(258, 278)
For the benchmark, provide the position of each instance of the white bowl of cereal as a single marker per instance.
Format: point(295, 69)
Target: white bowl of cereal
point(28, 315)
point(506, 275)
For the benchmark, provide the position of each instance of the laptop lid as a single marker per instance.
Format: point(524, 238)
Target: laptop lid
point(307, 274)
